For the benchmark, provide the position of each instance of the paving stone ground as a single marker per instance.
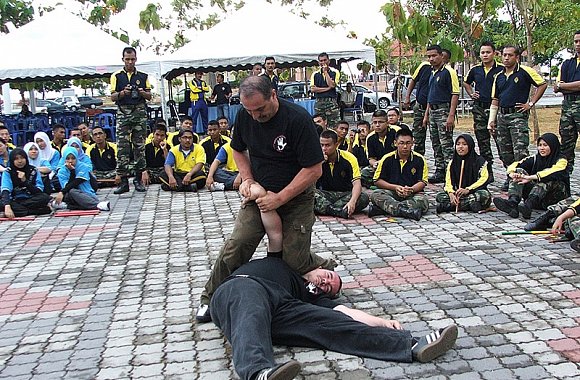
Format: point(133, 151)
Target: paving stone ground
point(112, 296)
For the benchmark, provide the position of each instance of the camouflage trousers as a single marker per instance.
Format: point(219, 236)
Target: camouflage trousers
point(513, 136)
point(419, 133)
point(105, 174)
point(574, 222)
point(155, 174)
point(480, 119)
point(337, 199)
point(329, 108)
point(389, 201)
point(569, 128)
point(131, 134)
point(482, 196)
point(366, 176)
point(548, 193)
point(441, 139)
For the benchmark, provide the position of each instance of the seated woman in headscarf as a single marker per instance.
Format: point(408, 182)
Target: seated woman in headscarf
point(48, 153)
point(541, 180)
point(76, 143)
point(468, 189)
point(22, 188)
point(42, 165)
point(77, 192)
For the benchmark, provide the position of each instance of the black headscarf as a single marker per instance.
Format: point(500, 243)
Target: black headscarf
point(28, 169)
point(473, 164)
point(541, 163)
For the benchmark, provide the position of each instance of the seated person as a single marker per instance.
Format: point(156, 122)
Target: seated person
point(341, 130)
point(85, 137)
point(47, 151)
point(561, 218)
point(338, 190)
point(471, 169)
point(187, 125)
point(321, 122)
point(379, 142)
point(224, 124)
point(76, 143)
point(22, 190)
point(541, 179)
point(394, 118)
point(212, 143)
point(359, 144)
point(103, 155)
point(226, 177)
point(184, 165)
point(43, 166)
point(347, 99)
point(265, 302)
point(77, 192)
point(25, 111)
point(4, 157)
point(75, 132)
point(58, 137)
point(401, 177)
point(5, 135)
point(155, 155)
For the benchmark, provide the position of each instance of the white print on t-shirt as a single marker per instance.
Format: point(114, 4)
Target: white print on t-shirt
point(280, 143)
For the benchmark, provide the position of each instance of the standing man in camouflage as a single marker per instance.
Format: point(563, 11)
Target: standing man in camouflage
point(569, 84)
point(323, 84)
point(130, 89)
point(440, 114)
point(419, 81)
point(510, 94)
point(478, 85)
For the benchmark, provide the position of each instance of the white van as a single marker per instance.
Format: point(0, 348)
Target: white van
point(69, 101)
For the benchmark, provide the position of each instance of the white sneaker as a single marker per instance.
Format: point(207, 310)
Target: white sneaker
point(104, 206)
point(218, 186)
point(58, 206)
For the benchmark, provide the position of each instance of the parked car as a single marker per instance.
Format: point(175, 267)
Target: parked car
point(70, 102)
point(50, 105)
point(393, 88)
point(89, 102)
point(369, 96)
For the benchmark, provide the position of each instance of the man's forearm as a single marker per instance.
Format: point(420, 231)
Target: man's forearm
point(197, 167)
point(454, 103)
point(305, 178)
point(243, 164)
point(356, 190)
point(361, 316)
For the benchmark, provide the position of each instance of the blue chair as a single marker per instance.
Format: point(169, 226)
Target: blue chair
point(357, 110)
point(107, 122)
point(12, 126)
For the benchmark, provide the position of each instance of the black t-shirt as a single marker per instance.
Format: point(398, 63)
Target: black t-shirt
point(154, 156)
point(221, 90)
point(277, 271)
point(280, 147)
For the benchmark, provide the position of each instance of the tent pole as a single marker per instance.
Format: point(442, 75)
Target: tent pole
point(7, 107)
point(376, 85)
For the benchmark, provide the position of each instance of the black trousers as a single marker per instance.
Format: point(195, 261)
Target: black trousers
point(198, 178)
point(254, 313)
point(37, 204)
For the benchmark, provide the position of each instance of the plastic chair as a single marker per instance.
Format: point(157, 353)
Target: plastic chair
point(107, 122)
point(357, 109)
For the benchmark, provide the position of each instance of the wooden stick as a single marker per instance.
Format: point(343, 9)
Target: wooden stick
point(77, 213)
point(521, 232)
point(16, 219)
point(460, 180)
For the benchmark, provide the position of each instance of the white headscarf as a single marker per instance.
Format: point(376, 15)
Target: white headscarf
point(36, 162)
point(48, 152)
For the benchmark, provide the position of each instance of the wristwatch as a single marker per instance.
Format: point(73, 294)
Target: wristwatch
point(531, 104)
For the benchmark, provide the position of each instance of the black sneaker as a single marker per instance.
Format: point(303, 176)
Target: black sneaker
point(139, 185)
point(375, 211)
point(444, 207)
point(506, 206)
point(435, 344)
point(203, 315)
point(286, 371)
point(476, 206)
point(542, 222)
point(525, 210)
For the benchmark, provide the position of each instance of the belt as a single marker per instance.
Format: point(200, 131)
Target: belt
point(421, 106)
point(506, 110)
point(482, 104)
point(572, 97)
point(438, 106)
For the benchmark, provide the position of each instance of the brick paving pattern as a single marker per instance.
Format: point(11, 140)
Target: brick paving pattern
point(112, 296)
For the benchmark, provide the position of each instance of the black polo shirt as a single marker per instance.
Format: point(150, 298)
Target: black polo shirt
point(317, 79)
point(443, 84)
point(211, 150)
point(103, 160)
point(515, 87)
point(570, 72)
point(392, 170)
point(421, 77)
point(377, 147)
point(483, 80)
point(273, 79)
point(154, 156)
point(220, 90)
point(360, 153)
point(120, 79)
point(280, 147)
point(339, 175)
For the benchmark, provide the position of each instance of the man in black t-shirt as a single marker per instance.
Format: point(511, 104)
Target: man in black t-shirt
point(275, 144)
point(265, 302)
point(221, 94)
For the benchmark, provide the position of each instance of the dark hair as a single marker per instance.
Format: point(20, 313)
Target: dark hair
point(380, 113)
point(129, 50)
point(256, 85)
point(323, 116)
point(160, 127)
point(2, 126)
point(186, 118)
point(577, 32)
point(269, 58)
point(394, 109)
point(213, 122)
point(363, 122)
point(223, 117)
point(403, 132)
point(488, 43)
point(220, 75)
point(77, 129)
point(446, 51)
point(343, 122)
point(184, 131)
point(323, 54)
point(517, 50)
point(57, 126)
point(435, 47)
point(98, 127)
point(160, 120)
point(329, 134)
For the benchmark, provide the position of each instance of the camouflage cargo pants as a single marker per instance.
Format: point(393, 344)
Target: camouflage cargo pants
point(441, 139)
point(337, 199)
point(480, 119)
point(547, 192)
point(574, 222)
point(482, 196)
point(155, 174)
point(419, 133)
point(569, 128)
point(389, 201)
point(513, 136)
point(131, 134)
point(329, 108)
point(105, 174)
point(366, 176)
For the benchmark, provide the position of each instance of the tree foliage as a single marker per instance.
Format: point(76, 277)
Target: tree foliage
point(17, 12)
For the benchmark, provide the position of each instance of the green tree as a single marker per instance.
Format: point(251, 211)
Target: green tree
point(91, 84)
point(15, 11)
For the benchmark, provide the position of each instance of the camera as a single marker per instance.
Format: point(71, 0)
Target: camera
point(134, 92)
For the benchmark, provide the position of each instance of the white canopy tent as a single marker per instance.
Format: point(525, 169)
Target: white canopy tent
point(256, 31)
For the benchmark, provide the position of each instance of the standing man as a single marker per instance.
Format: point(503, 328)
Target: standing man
point(274, 144)
point(440, 114)
point(323, 84)
point(568, 83)
point(270, 65)
point(198, 90)
point(420, 82)
point(130, 89)
point(510, 94)
point(222, 91)
point(478, 85)
point(256, 69)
